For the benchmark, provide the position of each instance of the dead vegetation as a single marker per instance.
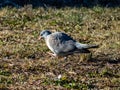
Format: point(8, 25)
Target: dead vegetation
point(26, 65)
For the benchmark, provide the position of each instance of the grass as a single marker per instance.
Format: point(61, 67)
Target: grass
point(25, 63)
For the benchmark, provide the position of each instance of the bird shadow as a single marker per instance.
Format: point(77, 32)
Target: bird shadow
point(104, 60)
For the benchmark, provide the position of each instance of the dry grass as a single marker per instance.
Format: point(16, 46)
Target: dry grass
point(26, 65)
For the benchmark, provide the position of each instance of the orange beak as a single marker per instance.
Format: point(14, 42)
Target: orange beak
point(39, 38)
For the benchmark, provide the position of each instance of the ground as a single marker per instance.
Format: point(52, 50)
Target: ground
point(25, 64)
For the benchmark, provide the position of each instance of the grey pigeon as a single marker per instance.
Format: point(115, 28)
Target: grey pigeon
point(62, 45)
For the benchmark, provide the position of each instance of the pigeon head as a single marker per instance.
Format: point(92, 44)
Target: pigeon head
point(44, 34)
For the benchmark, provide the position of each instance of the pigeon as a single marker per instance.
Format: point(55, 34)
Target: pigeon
point(62, 44)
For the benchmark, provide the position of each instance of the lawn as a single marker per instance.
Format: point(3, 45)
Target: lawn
point(25, 64)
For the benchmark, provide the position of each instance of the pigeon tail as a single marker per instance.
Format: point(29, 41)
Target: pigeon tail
point(85, 46)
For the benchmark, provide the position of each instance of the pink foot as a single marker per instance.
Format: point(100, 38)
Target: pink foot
point(52, 54)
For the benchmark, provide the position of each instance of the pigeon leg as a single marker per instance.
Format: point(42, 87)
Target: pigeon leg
point(52, 54)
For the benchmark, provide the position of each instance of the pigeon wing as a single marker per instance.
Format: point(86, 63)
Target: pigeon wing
point(61, 43)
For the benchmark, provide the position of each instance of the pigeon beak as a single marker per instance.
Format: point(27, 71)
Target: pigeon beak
point(39, 38)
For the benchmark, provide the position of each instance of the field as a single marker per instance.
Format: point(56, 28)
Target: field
point(25, 64)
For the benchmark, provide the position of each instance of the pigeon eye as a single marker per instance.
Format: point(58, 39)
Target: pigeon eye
point(41, 34)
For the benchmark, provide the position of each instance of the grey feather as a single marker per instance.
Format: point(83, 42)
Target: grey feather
point(85, 46)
